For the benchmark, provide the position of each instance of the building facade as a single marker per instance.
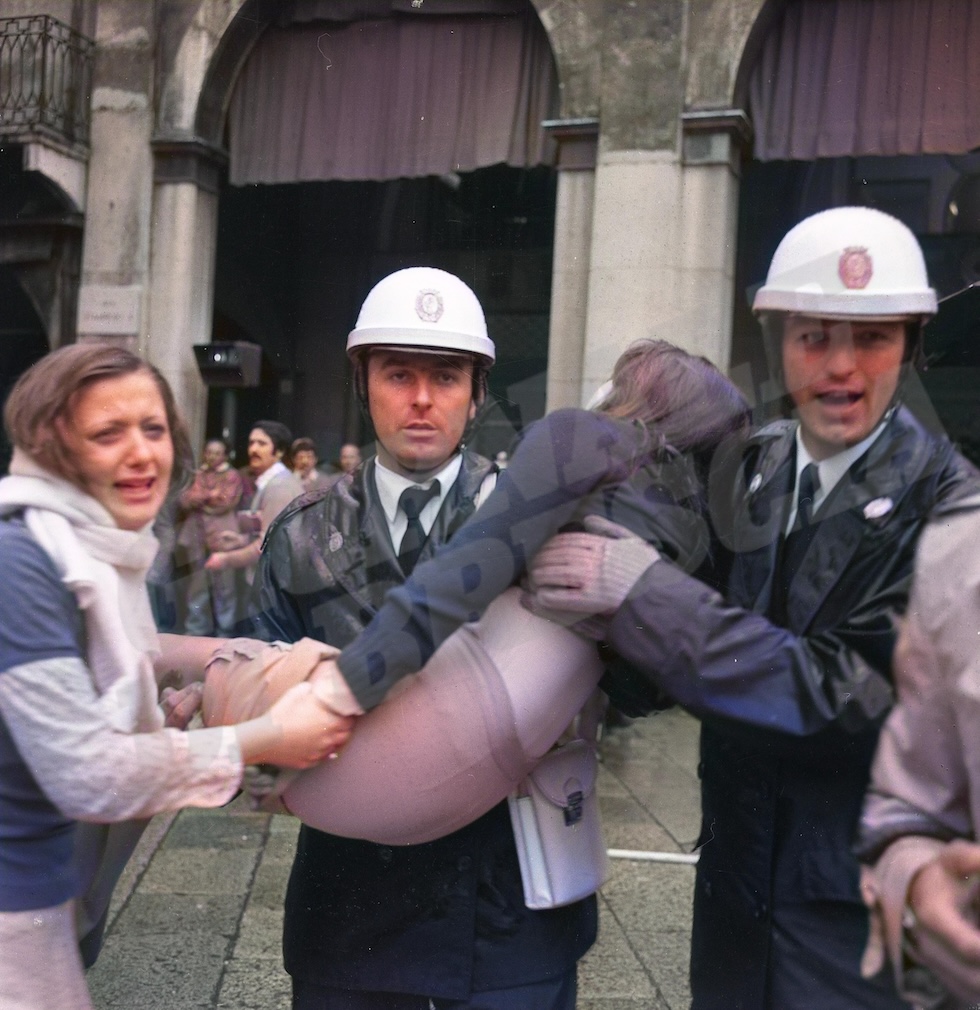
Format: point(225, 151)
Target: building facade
point(223, 173)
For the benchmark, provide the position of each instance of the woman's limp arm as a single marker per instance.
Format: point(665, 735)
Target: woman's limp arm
point(557, 462)
point(183, 658)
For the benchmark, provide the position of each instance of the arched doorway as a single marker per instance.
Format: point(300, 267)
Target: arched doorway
point(22, 342)
point(317, 208)
point(40, 251)
point(852, 103)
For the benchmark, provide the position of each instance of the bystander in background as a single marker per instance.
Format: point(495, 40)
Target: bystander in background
point(275, 487)
point(304, 458)
point(209, 506)
point(350, 460)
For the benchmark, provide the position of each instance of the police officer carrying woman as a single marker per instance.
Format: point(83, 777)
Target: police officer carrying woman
point(790, 672)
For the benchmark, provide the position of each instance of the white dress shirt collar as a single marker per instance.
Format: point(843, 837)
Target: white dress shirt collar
point(263, 478)
point(390, 486)
point(831, 469)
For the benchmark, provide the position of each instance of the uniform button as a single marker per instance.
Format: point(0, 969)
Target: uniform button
point(707, 889)
point(464, 863)
point(761, 911)
point(385, 854)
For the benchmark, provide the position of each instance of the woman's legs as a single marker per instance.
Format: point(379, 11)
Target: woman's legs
point(451, 742)
point(40, 967)
point(447, 744)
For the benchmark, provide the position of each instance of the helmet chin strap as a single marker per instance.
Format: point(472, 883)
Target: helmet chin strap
point(915, 353)
point(483, 408)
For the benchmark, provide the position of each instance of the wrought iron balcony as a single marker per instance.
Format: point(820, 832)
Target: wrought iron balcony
point(45, 80)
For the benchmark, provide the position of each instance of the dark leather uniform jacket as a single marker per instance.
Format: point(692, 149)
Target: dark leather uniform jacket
point(792, 689)
point(441, 919)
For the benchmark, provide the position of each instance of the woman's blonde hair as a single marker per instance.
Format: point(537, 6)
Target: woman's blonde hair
point(43, 399)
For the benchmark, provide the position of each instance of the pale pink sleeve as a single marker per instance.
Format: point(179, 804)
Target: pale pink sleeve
point(94, 772)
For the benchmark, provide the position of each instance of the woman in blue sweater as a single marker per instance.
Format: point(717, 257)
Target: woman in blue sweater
point(83, 743)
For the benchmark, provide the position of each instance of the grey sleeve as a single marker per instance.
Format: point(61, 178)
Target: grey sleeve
point(92, 771)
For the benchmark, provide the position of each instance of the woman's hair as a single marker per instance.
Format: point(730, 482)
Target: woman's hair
point(682, 398)
point(44, 397)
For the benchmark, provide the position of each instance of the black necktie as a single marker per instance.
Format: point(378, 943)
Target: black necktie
point(809, 486)
point(412, 501)
point(796, 543)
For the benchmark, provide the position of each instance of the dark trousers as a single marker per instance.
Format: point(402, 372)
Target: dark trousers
point(554, 994)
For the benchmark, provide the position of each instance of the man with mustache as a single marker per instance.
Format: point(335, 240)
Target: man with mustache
point(275, 488)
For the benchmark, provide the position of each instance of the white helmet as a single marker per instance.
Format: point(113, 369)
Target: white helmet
point(848, 262)
point(422, 308)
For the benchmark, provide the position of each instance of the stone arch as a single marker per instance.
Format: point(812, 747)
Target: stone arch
point(575, 39)
point(212, 43)
point(217, 41)
point(40, 245)
point(724, 39)
point(230, 54)
point(768, 12)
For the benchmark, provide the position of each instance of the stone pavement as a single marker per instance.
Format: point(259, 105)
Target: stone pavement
point(196, 921)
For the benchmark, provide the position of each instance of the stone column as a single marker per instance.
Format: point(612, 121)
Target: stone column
point(185, 219)
point(664, 222)
point(714, 143)
point(572, 252)
point(115, 254)
point(663, 251)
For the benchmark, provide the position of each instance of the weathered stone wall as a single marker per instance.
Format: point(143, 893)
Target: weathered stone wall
point(637, 65)
point(115, 258)
point(718, 32)
point(642, 85)
point(644, 240)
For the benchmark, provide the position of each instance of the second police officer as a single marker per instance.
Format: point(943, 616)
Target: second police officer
point(791, 674)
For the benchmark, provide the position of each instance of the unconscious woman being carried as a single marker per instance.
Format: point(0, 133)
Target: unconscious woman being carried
point(498, 684)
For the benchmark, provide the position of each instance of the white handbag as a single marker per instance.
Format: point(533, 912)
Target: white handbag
point(557, 828)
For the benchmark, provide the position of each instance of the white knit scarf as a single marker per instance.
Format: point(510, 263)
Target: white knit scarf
point(105, 568)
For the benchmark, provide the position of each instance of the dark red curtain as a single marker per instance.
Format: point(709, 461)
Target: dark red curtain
point(859, 77)
point(392, 97)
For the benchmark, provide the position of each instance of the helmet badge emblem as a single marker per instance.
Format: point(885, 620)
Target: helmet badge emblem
point(428, 305)
point(855, 268)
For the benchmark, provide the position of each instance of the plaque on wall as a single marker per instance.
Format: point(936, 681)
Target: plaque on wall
point(109, 309)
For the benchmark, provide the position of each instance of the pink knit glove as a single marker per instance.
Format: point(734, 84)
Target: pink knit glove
point(591, 573)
